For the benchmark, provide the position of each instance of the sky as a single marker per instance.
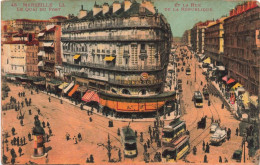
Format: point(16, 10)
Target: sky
point(172, 9)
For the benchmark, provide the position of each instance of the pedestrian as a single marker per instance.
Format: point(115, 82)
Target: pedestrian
point(119, 155)
point(237, 131)
point(43, 124)
point(135, 133)
point(145, 147)
point(19, 94)
point(21, 141)
point(207, 148)
point(90, 119)
point(50, 132)
point(24, 141)
point(141, 137)
point(148, 143)
point(203, 146)
point(75, 140)
point(79, 137)
point(49, 99)
point(118, 132)
point(194, 150)
point(87, 160)
point(88, 112)
point(48, 124)
point(226, 161)
point(30, 112)
point(20, 151)
point(13, 131)
point(13, 160)
point(30, 101)
point(17, 141)
point(205, 159)
point(22, 103)
point(47, 137)
point(14, 141)
point(61, 101)
point(21, 122)
point(39, 111)
point(91, 159)
point(29, 136)
point(220, 159)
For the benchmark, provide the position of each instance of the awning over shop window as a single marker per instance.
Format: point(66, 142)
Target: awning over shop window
point(110, 58)
point(69, 87)
point(207, 61)
point(40, 34)
point(41, 53)
point(48, 44)
point(73, 90)
point(76, 57)
point(224, 78)
point(63, 85)
point(230, 81)
point(40, 63)
point(236, 86)
point(90, 96)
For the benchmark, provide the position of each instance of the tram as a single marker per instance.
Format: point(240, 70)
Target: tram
point(175, 129)
point(188, 71)
point(129, 141)
point(197, 98)
point(181, 147)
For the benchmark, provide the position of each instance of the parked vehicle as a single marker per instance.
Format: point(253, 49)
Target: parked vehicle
point(237, 155)
point(218, 137)
point(205, 93)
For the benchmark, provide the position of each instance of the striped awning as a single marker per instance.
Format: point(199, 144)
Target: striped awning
point(109, 58)
point(69, 87)
point(90, 96)
point(74, 89)
point(76, 57)
point(63, 85)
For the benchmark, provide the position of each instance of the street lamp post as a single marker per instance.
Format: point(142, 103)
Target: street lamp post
point(195, 70)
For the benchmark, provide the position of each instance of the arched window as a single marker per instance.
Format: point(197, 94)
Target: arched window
point(114, 91)
point(143, 92)
point(125, 91)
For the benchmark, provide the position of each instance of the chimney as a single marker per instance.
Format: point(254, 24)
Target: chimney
point(82, 13)
point(96, 9)
point(148, 5)
point(105, 8)
point(127, 5)
point(116, 6)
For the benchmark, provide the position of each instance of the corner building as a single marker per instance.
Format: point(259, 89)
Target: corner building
point(121, 52)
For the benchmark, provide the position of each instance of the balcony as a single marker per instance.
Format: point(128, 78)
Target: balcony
point(115, 68)
point(135, 82)
point(119, 25)
point(114, 38)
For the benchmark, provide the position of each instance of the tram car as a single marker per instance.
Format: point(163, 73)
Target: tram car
point(180, 147)
point(198, 100)
point(170, 132)
point(128, 139)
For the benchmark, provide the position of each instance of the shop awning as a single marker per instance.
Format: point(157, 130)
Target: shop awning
point(230, 81)
point(40, 34)
point(90, 96)
point(110, 58)
point(207, 61)
point(76, 57)
point(69, 87)
point(221, 68)
point(63, 85)
point(40, 63)
point(48, 44)
point(74, 89)
point(41, 53)
point(224, 78)
point(236, 86)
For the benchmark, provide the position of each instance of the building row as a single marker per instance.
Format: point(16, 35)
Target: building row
point(232, 41)
point(120, 52)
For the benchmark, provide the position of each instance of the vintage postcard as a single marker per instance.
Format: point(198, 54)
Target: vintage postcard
point(130, 81)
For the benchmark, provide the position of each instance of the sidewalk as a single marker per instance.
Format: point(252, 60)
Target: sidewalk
point(168, 118)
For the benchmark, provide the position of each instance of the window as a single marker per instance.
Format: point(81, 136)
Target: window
point(126, 91)
point(142, 46)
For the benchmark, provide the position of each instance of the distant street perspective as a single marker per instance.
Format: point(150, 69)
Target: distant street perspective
point(113, 85)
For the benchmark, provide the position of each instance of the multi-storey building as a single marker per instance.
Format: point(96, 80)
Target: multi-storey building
point(32, 58)
point(198, 36)
point(242, 45)
point(214, 41)
point(186, 38)
point(14, 57)
point(49, 50)
point(30, 25)
point(122, 51)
